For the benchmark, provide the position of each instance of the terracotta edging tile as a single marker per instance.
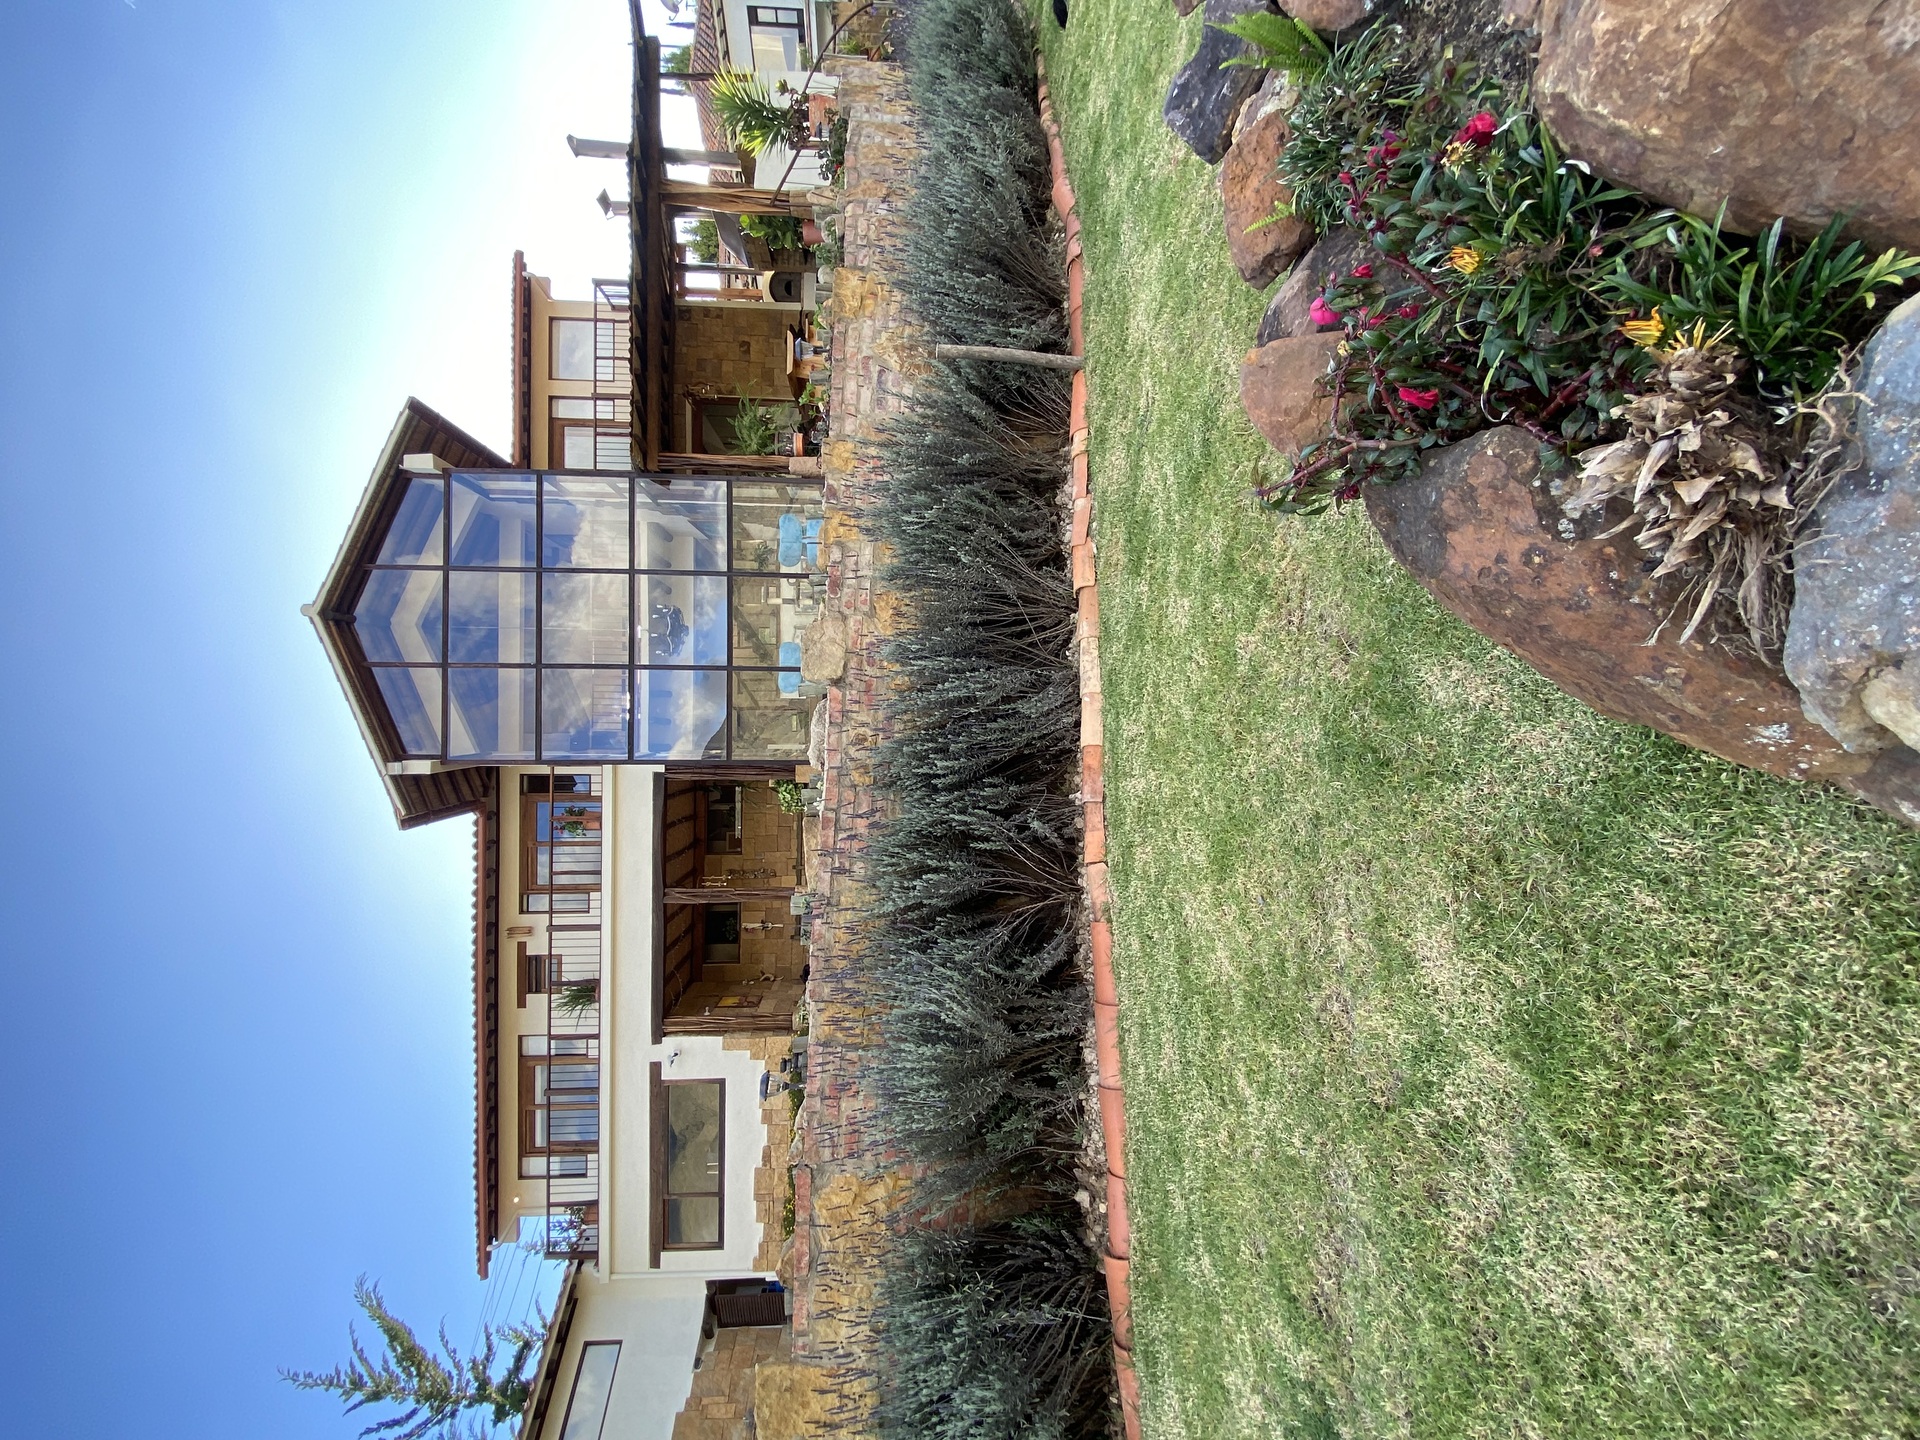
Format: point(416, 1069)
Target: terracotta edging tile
point(1106, 998)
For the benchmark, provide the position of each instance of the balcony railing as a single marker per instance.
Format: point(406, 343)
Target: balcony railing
point(568, 1208)
point(612, 375)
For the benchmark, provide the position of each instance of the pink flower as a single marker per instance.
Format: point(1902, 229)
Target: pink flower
point(1322, 313)
point(1374, 322)
point(1346, 178)
point(1477, 131)
point(1419, 399)
point(1363, 271)
point(1408, 311)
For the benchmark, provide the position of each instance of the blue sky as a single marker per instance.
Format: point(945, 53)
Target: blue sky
point(236, 235)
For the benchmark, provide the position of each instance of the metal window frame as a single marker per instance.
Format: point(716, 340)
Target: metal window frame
point(634, 668)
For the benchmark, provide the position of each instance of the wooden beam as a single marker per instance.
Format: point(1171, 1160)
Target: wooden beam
point(1036, 358)
point(726, 199)
point(714, 895)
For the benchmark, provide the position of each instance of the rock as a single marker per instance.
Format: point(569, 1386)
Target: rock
point(1275, 93)
point(1335, 254)
point(1519, 14)
point(1802, 110)
point(1279, 390)
point(1261, 245)
point(1204, 99)
point(1484, 534)
point(1185, 7)
point(823, 649)
point(1327, 14)
point(1853, 642)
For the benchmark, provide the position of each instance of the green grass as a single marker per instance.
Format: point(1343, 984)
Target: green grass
point(1493, 1068)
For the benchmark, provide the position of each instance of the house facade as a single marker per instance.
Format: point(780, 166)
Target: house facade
point(590, 648)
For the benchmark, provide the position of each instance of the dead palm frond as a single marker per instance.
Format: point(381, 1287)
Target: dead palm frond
point(1709, 500)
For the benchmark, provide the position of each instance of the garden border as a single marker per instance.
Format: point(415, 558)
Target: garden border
point(1106, 998)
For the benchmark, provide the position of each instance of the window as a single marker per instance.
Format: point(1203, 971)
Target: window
point(592, 1388)
point(587, 350)
point(560, 834)
point(570, 349)
point(589, 433)
point(725, 825)
point(533, 974)
point(778, 35)
point(559, 1093)
point(721, 933)
point(594, 617)
point(743, 426)
point(689, 1162)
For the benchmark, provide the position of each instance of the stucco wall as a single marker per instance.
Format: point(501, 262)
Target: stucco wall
point(657, 1323)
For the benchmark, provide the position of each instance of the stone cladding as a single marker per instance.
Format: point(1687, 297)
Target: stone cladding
point(847, 1184)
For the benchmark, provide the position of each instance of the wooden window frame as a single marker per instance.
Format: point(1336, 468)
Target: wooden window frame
point(531, 843)
point(659, 1197)
point(531, 974)
point(528, 1109)
point(602, 419)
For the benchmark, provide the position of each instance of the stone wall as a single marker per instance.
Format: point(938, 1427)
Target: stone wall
point(772, 1179)
point(721, 1403)
point(723, 351)
point(847, 1185)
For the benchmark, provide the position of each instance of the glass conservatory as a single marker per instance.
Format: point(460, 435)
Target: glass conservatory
point(514, 615)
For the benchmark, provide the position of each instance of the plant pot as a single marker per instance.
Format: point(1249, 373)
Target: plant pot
point(810, 232)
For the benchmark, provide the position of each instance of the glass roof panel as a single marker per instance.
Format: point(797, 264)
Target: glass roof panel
point(494, 519)
point(398, 616)
point(419, 526)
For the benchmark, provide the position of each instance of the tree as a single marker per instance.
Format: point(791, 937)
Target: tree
point(436, 1390)
point(677, 61)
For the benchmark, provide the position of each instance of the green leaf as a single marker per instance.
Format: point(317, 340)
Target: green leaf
point(1284, 44)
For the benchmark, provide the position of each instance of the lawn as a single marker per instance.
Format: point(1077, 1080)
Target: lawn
point(1493, 1068)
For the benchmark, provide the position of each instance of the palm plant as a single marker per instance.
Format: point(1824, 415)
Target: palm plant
point(754, 121)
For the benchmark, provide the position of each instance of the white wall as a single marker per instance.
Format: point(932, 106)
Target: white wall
point(628, 1050)
point(657, 1323)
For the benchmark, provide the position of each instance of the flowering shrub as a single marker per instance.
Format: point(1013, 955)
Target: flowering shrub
point(1512, 287)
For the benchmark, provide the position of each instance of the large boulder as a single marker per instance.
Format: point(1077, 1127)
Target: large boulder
point(1204, 99)
point(1802, 108)
point(1280, 390)
point(1335, 254)
point(1480, 528)
point(1262, 242)
point(1327, 14)
point(1853, 642)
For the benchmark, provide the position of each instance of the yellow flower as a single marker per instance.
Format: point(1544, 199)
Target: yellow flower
point(1456, 154)
point(1464, 258)
point(1645, 333)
